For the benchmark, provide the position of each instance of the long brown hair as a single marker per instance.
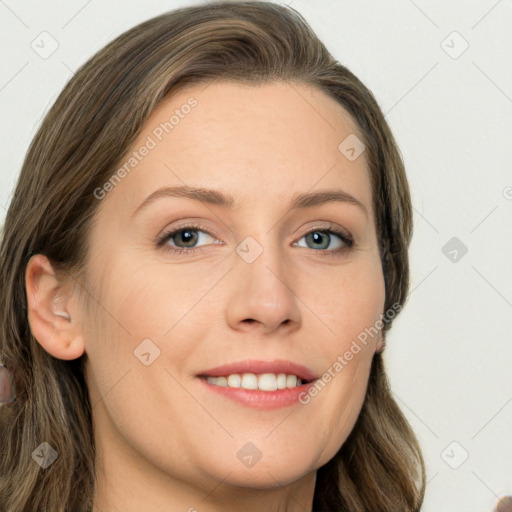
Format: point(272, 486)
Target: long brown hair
point(78, 147)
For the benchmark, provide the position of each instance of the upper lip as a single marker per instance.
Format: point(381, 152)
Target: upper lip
point(258, 367)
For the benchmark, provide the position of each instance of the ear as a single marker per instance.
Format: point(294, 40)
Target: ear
point(51, 317)
point(381, 342)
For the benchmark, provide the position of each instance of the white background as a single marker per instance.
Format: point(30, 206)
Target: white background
point(449, 353)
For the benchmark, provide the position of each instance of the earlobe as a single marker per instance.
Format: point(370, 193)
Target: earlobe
point(49, 316)
point(381, 343)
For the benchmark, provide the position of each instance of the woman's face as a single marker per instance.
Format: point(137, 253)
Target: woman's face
point(264, 278)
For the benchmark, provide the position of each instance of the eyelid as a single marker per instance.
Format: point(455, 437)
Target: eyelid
point(338, 231)
point(330, 226)
point(161, 239)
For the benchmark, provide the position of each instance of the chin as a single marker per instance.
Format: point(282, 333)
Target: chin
point(262, 472)
point(263, 478)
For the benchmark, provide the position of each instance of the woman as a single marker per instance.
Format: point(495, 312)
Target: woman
point(205, 250)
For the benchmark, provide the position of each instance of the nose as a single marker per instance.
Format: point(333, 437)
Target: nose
point(262, 296)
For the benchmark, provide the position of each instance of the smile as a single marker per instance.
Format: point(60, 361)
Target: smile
point(262, 382)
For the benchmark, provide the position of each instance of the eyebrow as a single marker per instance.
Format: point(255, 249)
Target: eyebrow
point(214, 197)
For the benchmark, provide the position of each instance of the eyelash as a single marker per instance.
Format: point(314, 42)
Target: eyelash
point(163, 239)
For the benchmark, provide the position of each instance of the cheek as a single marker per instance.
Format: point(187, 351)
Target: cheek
point(351, 305)
point(153, 298)
point(344, 301)
point(337, 397)
point(148, 307)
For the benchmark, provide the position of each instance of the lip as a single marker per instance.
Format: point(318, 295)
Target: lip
point(258, 367)
point(255, 397)
point(260, 399)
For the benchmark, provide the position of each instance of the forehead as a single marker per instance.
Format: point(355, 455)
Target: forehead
point(263, 142)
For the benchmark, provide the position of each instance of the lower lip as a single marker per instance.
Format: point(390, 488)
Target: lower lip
point(262, 399)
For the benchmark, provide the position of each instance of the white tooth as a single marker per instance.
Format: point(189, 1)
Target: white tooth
point(291, 381)
point(222, 381)
point(267, 382)
point(234, 380)
point(249, 381)
point(263, 382)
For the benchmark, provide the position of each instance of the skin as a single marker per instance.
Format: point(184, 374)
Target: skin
point(164, 441)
